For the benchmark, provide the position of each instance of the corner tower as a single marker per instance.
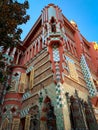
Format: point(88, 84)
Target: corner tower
point(53, 36)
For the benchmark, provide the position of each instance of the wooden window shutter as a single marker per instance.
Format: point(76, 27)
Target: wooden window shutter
point(31, 79)
point(5, 124)
point(72, 69)
point(15, 125)
point(13, 85)
point(22, 84)
point(27, 122)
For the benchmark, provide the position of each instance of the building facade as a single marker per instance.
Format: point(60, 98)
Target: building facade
point(54, 78)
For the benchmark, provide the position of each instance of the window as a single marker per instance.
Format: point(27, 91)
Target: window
point(56, 55)
point(30, 54)
point(49, 115)
point(36, 47)
point(28, 81)
point(40, 44)
point(45, 28)
point(34, 122)
point(53, 25)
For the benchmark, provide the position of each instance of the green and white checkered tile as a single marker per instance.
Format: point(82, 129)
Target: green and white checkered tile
point(56, 55)
point(26, 96)
point(24, 112)
point(59, 89)
point(29, 69)
point(60, 101)
point(60, 98)
point(92, 92)
point(87, 76)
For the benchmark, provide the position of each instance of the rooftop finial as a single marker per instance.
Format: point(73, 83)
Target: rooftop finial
point(74, 23)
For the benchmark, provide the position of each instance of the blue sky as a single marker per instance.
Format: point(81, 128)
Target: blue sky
point(83, 12)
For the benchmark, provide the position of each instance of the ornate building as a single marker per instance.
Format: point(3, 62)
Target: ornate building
point(54, 78)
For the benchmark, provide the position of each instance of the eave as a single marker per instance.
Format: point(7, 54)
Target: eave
point(26, 41)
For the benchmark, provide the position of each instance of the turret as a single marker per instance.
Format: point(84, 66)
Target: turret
point(13, 97)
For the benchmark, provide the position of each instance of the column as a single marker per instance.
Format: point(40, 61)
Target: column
point(13, 52)
point(18, 57)
point(7, 52)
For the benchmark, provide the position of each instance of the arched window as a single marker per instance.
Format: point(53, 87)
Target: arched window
point(36, 47)
point(33, 50)
point(68, 43)
point(45, 28)
point(40, 44)
point(27, 56)
point(53, 25)
point(22, 124)
point(20, 59)
point(30, 54)
point(34, 122)
point(72, 118)
point(76, 115)
point(90, 117)
point(51, 118)
point(15, 57)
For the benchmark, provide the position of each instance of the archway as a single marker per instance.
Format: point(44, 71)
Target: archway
point(34, 121)
point(48, 117)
